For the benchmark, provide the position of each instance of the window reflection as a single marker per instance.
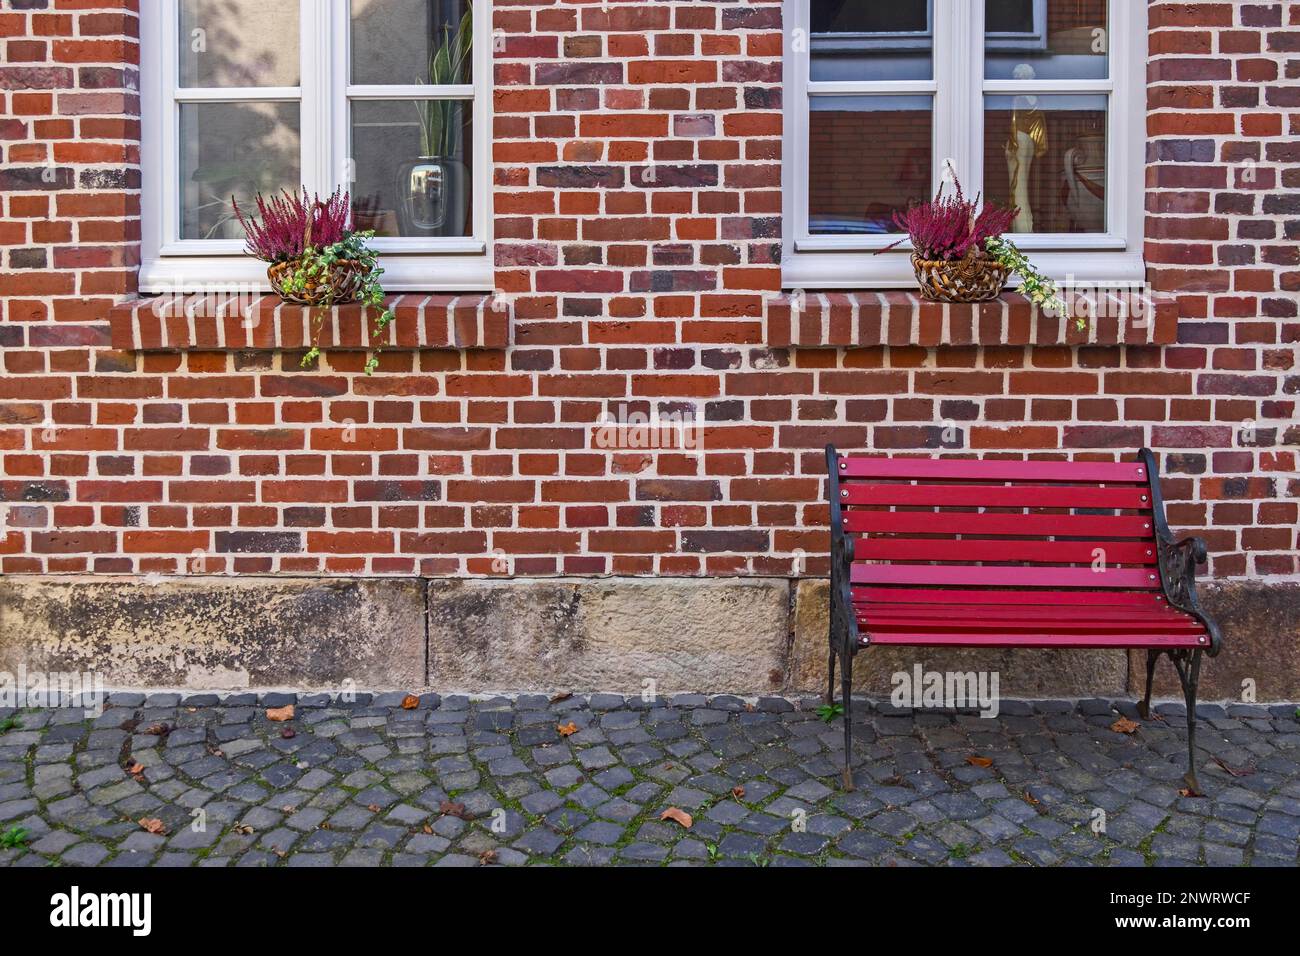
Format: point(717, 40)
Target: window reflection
point(868, 156)
point(854, 40)
point(1047, 155)
point(1046, 39)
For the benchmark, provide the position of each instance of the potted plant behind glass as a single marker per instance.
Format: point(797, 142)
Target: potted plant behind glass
point(315, 258)
point(959, 252)
point(432, 195)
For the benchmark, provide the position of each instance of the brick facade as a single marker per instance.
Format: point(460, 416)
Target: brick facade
point(637, 218)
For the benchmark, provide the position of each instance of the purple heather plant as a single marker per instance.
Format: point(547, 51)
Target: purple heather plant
point(949, 227)
point(278, 231)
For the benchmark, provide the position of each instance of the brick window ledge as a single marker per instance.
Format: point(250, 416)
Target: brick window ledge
point(173, 323)
point(865, 319)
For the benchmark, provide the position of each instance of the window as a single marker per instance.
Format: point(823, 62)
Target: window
point(387, 97)
point(1036, 103)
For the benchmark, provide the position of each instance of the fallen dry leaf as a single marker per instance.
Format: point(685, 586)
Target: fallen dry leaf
point(1189, 792)
point(980, 761)
point(738, 793)
point(288, 733)
point(1234, 771)
point(244, 829)
point(135, 769)
point(449, 809)
point(373, 807)
point(487, 857)
point(1125, 726)
point(567, 730)
point(750, 708)
point(410, 702)
point(280, 714)
point(1031, 799)
point(153, 825)
point(678, 816)
point(157, 730)
point(427, 828)
point(561, 696)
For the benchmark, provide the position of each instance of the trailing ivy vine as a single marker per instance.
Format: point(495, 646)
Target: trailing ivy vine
point(1034, 286)
point(315, 266)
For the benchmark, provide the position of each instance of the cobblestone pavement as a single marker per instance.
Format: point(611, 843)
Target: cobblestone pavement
point(586, 780)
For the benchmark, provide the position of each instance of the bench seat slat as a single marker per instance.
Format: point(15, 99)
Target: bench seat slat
point(1020, 612)
point(887, 595)
point(1050, 552)
point(956, 469)
point(998, 496)
point(1019, 576)
point(1050, 640)
point(876, 625)
point(950, 523)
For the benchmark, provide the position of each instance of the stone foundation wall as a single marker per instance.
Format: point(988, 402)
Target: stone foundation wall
point(748, 636)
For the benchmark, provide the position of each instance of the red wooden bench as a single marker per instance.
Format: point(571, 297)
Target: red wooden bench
point(960, 553)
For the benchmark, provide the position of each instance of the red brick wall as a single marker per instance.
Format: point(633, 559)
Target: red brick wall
point(1224, 233)
point(625, 288)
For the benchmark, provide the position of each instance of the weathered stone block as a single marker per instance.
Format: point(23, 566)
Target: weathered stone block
point(1021, 673)
point(721, 636)
point(215, 633)
point(1261, 643)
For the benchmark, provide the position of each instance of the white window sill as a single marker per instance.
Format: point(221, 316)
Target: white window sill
point(444, 273)
point(893, 270)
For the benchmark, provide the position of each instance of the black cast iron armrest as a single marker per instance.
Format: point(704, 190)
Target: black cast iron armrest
point(844, 622)
point(1178, 559)
point(1196, 545)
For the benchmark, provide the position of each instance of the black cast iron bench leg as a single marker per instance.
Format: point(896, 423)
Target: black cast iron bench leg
point(1188, 665)
point(1144, 707)
point(1189, 672)
point(845, 657)
point(846, 691)
point(830, 685)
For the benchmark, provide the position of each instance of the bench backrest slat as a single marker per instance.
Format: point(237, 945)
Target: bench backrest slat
point(960, 469)
point(1045, 598)
point(1004, 576)
point(998, 496)
point(882, 548)
point(963, 522)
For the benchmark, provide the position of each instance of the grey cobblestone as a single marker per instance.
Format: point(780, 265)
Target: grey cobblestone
point(457, 782)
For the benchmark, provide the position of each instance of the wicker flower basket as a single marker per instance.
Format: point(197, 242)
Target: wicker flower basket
point(975, 278)
point(343, 283)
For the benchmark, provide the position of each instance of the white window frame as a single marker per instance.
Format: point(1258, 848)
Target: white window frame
point(958, 87)
point(172, 264)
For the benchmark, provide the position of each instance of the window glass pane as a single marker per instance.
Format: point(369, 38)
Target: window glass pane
point(867, 157)
point(870, 40)
point(870, 16)
point(404, 42)
point(1046, 40)
point(233, 149)
point(413, 163)
point(239, 43)
point(1047, 155)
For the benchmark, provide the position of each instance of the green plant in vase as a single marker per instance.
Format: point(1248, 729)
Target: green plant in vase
point(432, 189)
point(440, 124)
